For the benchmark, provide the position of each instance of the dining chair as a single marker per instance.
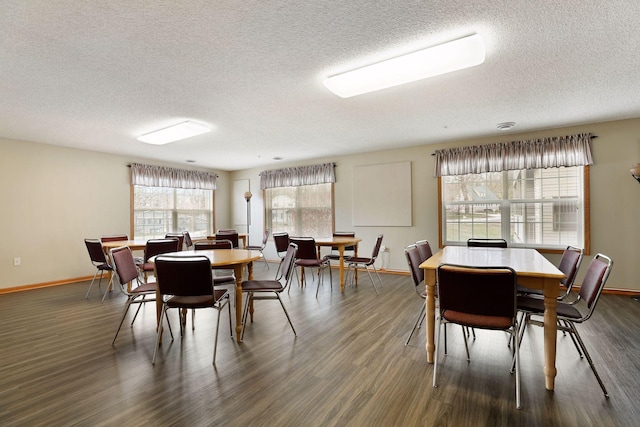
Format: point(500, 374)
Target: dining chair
point(270, 289)
point(129, 279)
point(415, 256)
point(569, 265)
point(281, 242)
point(334, 255)
point(100, 262)
point(179, 236)
point(228, 234)
point(186, 282)
point(260, 247)
point(114, 237)
point(573, 312)
point(188, 242)
point(486, 243)
point(156, 247)
point(307, 257)
point(363, 262)
point(478, 297)
point(222, 275)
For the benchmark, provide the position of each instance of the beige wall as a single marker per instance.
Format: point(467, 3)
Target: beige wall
point(54, 197)
point(615, 197)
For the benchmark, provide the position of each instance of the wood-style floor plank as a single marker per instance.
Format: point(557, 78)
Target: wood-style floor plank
point(348, 366)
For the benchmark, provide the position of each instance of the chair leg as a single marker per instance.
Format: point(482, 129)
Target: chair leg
point(419, 320)
point(245, 314)
point(574, 331)
point(466, 344)
point(517, 362)
point(126, 309)
point(437, 349)
point(139, 307)
point(215, 343)
point(376, 271)
point(287, 314)
point(109, 285)
point(372, 282)
point(163, 315)
point(566, 326)
point(193, 319)
point(93, 280)
point(230, 327)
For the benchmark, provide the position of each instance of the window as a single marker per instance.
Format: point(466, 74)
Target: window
point(305, 210)
point(542, 208)
point(161, 210)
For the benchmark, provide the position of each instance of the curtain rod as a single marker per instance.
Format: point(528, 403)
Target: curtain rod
point(592, 137)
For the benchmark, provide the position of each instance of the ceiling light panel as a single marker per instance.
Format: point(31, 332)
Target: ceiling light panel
point(174, 133)
point(444, 58)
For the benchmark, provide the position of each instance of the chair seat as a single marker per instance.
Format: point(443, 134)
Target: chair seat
point(309, 263)
point(536, 306)
point(336, 257)
point(144, 288)
point(104, 267)
point(262, 285)
point(253, 247)
point(197, 301)
point(478, 320)
point(224, 279)
point(147, 266)
point(360, 260)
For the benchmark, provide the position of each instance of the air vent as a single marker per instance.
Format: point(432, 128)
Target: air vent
point(505, 125)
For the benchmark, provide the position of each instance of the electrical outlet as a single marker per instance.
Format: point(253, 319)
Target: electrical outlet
point(17, 261)
point(383, 249)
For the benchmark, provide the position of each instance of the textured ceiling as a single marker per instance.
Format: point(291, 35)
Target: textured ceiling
point(95, 75)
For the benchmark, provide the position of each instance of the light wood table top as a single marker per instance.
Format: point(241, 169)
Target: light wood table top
point(232, 258)
point(340, 242)
point(533, 271)
point(134, 245)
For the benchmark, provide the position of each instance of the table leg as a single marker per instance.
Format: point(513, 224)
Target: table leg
point(430, 281)
point(341, 252)
point(237, 270)
point(550, 332)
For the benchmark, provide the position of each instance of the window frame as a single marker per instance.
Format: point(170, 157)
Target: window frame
point(586, 217)
point(132, 225)
point(268, 224)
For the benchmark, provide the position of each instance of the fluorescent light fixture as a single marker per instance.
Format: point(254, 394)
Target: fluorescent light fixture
point(174, 133)
point(444, 58)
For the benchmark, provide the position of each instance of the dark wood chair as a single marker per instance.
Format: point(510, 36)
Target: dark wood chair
point(569, 265)
point(349, 251)
point(179, 236)
point(229, 235)
point(478, 297)
point(186, 282)
point(307, 257)
point(156, 247)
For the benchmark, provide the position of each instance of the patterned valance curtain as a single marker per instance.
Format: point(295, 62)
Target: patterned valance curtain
point(160, 176)
point(295, 177)
point(571, 150)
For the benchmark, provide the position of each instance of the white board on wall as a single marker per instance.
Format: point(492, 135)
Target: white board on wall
point(382, 195)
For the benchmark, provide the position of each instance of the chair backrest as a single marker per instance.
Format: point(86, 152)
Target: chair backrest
point(184, 275)
point(414, 259)
point(344, 234)
point(212, 245)
point(487, 291)
point(281, 240)
point(188, 242)
point(594, 281)
point(265, 237)
point(114, 237)
point(376, 248)
point(228, 235)
point(124, 264)
point(96, 253)
point(179, 236)
point(306, 247)
point(569, 265)
point(160, 246)
point(425, 250)
point(288, 264)
point(486, 243)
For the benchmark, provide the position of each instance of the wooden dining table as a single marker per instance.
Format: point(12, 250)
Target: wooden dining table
point(532, 270)
point(339, 242)
point(235, 259)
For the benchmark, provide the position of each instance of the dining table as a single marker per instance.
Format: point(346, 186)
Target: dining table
point(339, 242)
point(236, 259)
point(532, 269)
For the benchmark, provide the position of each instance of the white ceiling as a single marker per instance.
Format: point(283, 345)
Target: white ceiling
point(95, 75)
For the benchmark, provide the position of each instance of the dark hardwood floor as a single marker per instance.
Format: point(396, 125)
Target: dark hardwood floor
point(347, 367)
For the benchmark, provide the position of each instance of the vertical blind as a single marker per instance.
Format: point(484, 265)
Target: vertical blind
point(161, 176)
point(297, 176)
point(571, 150)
